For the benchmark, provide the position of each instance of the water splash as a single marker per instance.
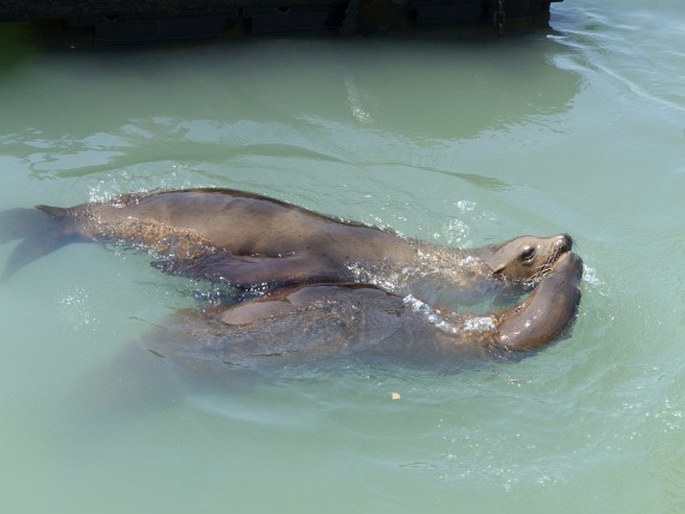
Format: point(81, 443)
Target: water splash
point(354, 100)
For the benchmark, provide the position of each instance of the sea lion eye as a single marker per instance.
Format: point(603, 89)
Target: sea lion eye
point(528, 253)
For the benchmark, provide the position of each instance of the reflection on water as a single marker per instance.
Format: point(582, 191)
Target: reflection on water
point(466, 141)
point(101, 107)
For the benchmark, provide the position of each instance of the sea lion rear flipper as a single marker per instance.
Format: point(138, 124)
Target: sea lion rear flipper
point(41, 234)
point(55, 212)
point(22, 222)
point(254, 271)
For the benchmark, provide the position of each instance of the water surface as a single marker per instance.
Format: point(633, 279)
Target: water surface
point(458, 139)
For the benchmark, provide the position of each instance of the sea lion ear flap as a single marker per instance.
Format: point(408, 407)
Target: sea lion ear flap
point(497, 265)
point(497, 268)
point(490, 255)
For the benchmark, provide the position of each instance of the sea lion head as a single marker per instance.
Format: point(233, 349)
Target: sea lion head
point(527, 258)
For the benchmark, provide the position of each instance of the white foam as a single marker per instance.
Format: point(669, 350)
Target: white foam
point(480, 324)
point(431, 315)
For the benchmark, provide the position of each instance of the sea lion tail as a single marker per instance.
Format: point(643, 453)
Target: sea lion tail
point(42, 230)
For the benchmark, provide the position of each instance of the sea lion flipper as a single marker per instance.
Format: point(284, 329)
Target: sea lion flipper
point(56, 212)
point(41, 234)
point(253, 271)
point(21, 222)
point(30, 249)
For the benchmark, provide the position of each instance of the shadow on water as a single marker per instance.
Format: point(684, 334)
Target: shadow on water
point(16, 45)
point(219, 95)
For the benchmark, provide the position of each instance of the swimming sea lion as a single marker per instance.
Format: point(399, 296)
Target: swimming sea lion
point(251, 241)
point(316, 323)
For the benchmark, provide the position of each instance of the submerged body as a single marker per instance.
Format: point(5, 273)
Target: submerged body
point(260, 243)
point(324, 322)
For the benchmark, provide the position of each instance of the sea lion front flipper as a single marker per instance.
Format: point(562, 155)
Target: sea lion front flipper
point(255, 272)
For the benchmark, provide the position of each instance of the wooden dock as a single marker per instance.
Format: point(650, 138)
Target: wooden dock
point(135, 20)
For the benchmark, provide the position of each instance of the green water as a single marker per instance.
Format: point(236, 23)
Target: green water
point(459, 139)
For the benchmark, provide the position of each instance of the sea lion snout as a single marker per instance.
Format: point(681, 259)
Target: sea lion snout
point(564, 243)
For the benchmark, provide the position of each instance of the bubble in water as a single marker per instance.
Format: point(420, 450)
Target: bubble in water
point(466, 205)
point(76, 309)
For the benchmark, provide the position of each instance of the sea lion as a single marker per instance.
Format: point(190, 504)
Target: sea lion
point(308, 330)
point(317, 323)
point(255, 242)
